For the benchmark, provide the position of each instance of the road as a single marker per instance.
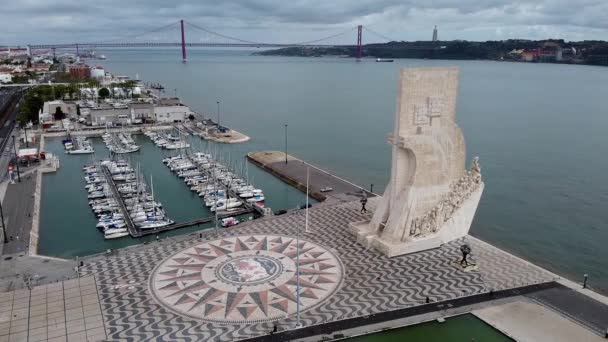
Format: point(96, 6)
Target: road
point(6, 131)
point(18, 207)
point(14, 201)
point(577, 306)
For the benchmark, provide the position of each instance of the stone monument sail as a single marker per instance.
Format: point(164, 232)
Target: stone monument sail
point(431, 198)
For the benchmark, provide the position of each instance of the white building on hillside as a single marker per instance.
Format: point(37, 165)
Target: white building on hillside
point(98, 72)
point(5, 78)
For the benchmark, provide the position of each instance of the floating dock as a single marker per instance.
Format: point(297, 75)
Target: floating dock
point(293, 172)
point(136, 232)
point(133, 231)
point(190, 223)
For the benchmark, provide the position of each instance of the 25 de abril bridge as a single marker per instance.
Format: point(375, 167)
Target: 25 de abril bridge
point(192, 35)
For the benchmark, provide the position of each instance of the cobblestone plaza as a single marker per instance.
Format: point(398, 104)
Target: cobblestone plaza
point(241, 282)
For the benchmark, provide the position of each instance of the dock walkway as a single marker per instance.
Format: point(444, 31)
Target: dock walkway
point(294, 173)
point(133, 230)
point(191, 223)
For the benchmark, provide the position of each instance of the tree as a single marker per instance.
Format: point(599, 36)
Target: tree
point(21, 79)
point(78, 109)
point(71, 90)
point(191, 117)
point(59, 114)
point(60, 91)
point(31, 105)
point(104, 93)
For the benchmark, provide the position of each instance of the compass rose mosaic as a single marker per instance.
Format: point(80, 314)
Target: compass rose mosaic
point(247, 278)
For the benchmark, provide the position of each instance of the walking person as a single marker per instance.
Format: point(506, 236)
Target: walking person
point(363, 203)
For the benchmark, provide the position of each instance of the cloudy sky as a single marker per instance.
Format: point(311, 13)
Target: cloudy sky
point(290, 21)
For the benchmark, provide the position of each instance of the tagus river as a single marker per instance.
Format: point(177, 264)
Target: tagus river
point(539, 129)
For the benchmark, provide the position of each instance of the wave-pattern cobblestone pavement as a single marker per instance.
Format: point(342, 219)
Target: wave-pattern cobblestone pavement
point(371, 282)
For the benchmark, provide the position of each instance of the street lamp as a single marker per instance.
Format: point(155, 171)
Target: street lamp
point(285, 144)
point(16, 159)
point(3, 226)
point(218, 115)
point(25, 130)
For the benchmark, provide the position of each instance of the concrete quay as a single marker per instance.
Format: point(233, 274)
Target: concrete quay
point(208, 132)
point(527, 321)
point(99, 131)
point(294, 173)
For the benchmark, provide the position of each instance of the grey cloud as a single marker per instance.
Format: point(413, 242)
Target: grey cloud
point(34, 21)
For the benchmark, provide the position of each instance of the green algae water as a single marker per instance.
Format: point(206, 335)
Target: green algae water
point(539, 129)
point(455, 329)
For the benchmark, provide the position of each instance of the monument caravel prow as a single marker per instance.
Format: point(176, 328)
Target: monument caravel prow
point(430, 199)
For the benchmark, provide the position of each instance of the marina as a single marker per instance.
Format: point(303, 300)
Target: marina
point(221, 187)
point(119, 198)
point(120, 143)
point(181, 203)
point(166, 140)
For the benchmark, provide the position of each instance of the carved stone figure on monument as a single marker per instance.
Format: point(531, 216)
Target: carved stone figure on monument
point(415, 228)
point(426, 228)
point(475, 168)
point(433, 220)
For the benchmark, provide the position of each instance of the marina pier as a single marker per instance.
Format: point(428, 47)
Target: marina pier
point(133, 231)
point(136, 232)
point(323, 185)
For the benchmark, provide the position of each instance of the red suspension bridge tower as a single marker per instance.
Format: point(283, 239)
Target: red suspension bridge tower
point(359, 42)
point(183, 41)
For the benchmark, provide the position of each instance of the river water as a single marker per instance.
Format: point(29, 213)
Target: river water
point(539, 130)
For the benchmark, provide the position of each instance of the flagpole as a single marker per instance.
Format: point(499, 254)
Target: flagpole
point(298, 277)
point(216, 197)
point(307, 182)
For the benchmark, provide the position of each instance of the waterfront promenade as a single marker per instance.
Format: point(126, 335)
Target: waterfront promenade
point(165, 290)
point(182, 288)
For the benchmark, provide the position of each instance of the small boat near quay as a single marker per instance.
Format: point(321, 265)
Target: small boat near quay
point(78, 145)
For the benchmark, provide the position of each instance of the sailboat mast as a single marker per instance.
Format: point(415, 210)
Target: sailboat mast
point(153, 201)
point(216, 197)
